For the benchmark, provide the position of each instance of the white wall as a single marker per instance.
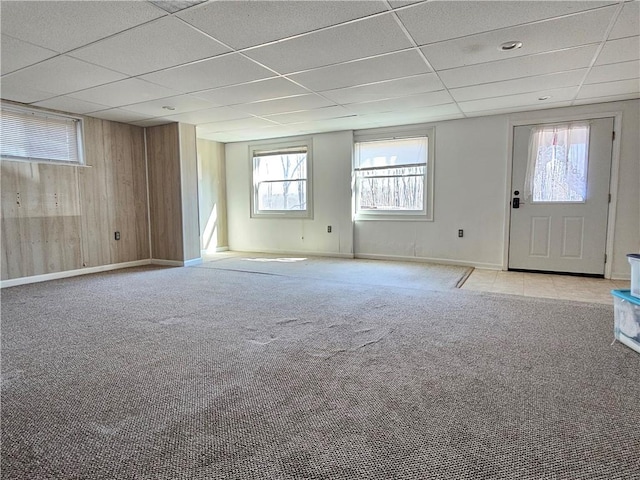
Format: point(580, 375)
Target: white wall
point(212, 196)
point(472, 169)
point(331, 157)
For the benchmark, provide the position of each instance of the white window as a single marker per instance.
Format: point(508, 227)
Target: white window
point(40, 136)
point(393, 176)
point(282, 180)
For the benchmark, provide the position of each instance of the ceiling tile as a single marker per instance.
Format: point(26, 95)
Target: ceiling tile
point(208, 74)
point(180, 103)
point(518, 108)
point(17, 92)
point(124, 92)
point(175, 5)
point(231, 125)
point(338, 124)
point(614, 71)
point(164, 43)
point(387, 89)
point(622, 87)
point(71, 105)
point(65, 25)
point(414, 101)
point(61, 75)
point(311, 115)
point(416, 115)
point(369, 37)
point(273, 20)
point(621, 50)
point(522, 100)
point(252, 92)
point(518, 67)
point(17, 54)
point(551, 35)
point(118, 115)
point(448, 20)
point(628, 23)
point(209, 115)
point(521, 85)
point(282, 105)
point(385, 67)
point(611, 98)
point(403, 3)
point(276, 131)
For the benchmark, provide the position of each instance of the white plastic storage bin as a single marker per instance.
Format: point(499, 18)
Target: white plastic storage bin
point(634, 260)
point(627, 318)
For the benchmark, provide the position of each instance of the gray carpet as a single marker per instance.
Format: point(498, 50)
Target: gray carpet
point(207, 373)
point(416, 275)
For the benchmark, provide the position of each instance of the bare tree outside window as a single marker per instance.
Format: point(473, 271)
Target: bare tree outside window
point(392, 189)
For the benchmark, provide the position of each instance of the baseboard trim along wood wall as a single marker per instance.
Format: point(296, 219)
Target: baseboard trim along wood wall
point(71, 273)
point(14, 282)
point(176, 263)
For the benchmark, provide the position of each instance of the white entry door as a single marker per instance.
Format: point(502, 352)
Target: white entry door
point(560, 198)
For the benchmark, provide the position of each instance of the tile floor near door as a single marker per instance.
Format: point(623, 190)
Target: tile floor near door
point(566, 287)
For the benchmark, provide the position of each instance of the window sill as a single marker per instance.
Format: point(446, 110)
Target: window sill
point(392, 218)
point(287, 215)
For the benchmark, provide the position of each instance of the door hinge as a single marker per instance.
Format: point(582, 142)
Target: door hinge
point(613, 135)
point(609, 198)
point(605, 258)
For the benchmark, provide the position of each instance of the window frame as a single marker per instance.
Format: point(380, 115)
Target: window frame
point(307, 213)
point(36, 112)
point(398, 133)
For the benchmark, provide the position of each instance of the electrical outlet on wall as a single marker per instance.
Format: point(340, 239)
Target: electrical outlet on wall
point(117, 235)
point(460, 233)
point(328, 228)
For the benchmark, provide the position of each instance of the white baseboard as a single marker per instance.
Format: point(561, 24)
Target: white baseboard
point(299, 253)
point(441, 261)
point(621, 276)
point(176, 263)
point(222, 249)
point(71, 273)
point(192, 262)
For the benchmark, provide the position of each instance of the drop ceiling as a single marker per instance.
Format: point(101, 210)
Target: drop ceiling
point(244, 70)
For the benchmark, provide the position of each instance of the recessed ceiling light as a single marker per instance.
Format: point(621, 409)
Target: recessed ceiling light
point(545, 97)
point(168, 107)
point(507, 46)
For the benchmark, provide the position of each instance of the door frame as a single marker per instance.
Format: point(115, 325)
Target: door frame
point(531, 119)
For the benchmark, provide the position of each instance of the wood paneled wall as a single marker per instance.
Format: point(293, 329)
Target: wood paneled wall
point(57, 217)
point(165, 198)
point(173, 192)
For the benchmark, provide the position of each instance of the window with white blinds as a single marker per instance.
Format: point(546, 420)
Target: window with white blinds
point(39, 136)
